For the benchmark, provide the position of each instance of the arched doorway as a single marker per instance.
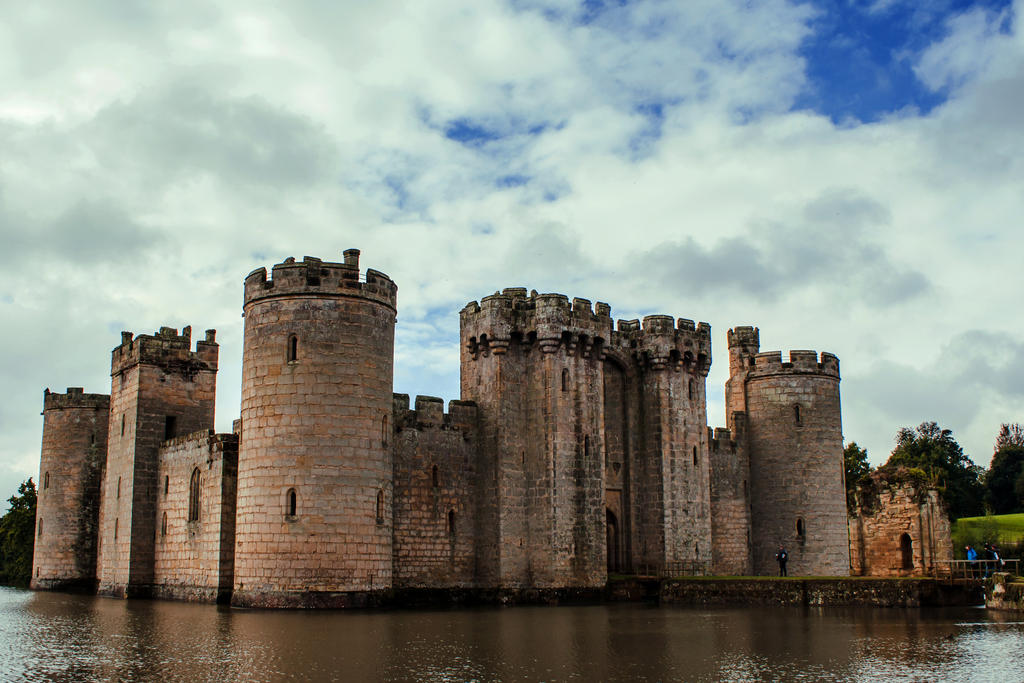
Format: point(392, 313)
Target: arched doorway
point(612, 539)
point(906, 552)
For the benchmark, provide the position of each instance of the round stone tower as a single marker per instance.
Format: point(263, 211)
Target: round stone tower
point(795, 444)
point(315, 465)
point(70, 467)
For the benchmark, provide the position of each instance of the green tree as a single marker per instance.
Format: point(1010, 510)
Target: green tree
point(1006, 469)
point(934, 451)
point(17, 536)
point(855, 464)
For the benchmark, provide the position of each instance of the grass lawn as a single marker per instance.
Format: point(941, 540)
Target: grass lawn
point(1007, 528)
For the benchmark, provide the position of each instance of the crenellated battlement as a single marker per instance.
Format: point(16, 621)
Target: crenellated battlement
point(745, 356)
point(429, 413)
point(315, 277)
point(75, 398)
point(744, 335)
point(550, 320)
point(801, 362)
point(662, 341)
point(167, 349)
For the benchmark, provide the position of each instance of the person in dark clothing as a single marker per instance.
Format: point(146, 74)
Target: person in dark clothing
point(781, 557)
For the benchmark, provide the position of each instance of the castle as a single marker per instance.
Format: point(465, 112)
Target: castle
point(579, 448)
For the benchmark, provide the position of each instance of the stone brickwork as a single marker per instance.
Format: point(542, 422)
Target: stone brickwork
point(572, 464)
point(159, 388)
point(581, 449)
point(434, 507)
point(316, 419)
point(195, 513)
point(795, 442)
point(730, 501)
point(67, 509)
point(901, 528)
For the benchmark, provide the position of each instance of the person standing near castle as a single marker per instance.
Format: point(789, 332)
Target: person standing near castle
point(781, 557)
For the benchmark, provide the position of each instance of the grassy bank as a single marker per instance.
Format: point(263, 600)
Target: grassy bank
point(1006, 531)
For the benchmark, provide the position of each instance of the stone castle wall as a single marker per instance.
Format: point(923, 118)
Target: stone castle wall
point(900, 529)
point(316, 419)
point(194, 558)
point(730, 502)
point(434, 508)
point(67, 509)
point(533, 365)
point(582, 448)
point(669, 510)
point(795, 439)
point(159, 388)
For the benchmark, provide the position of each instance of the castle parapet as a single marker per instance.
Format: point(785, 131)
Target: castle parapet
point(313, 276)
point(800, 362)
point(166, 349)
point(662, 341)
point(429, 414)
point(550, 320)
point(75, 398)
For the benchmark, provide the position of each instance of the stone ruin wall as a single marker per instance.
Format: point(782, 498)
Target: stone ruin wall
point(67, 510)
point(730, 502)
point(194, 560)
point(877, 529)
point(434, 509)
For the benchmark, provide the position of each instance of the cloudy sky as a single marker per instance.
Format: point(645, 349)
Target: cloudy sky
point(845, 175)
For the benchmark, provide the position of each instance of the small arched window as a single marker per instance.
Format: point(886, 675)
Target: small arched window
point(694, 456)
point(434, 479)
point(907, 551)
point(691, 389)
point(163, 525)
point(193, 496)
point(122, 425)
point(451, 522)
point(293, 348)
point(801, 532)
point(115, 529)
point(380, 506)
point(40, 528)
point(46, 480)
point(565, 379)
point(796, 413)
point(696, 551)
point(119, 487)
point(384, 431)
point(167, 484)
point(291, 502)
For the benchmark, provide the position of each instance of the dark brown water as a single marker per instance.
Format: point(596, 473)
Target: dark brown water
point(52, 636)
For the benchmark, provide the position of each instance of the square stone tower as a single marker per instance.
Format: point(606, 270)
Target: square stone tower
point(159, 389)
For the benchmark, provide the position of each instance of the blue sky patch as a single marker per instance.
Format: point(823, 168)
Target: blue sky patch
point(470, 133)
point(860, 60)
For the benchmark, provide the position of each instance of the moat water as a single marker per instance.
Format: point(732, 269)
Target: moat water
point(61, 637)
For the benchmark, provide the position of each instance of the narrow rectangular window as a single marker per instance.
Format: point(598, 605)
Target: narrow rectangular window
point(170, 427)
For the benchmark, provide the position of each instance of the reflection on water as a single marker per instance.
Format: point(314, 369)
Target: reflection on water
point(53, 636)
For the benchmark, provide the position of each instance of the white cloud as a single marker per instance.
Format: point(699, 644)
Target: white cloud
point(649, 157)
